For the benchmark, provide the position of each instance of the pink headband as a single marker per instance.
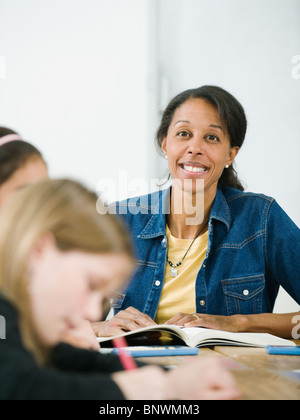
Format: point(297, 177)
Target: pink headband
point(8, 138)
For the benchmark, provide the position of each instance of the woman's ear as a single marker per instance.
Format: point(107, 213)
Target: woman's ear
point(232, 155)
point(164, 147)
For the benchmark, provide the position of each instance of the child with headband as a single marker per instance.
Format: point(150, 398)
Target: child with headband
point(20, 163)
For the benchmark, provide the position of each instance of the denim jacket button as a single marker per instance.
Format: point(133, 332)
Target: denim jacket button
point(246, 292)
point(157, 283)
point(164, 242)
point(202, 302)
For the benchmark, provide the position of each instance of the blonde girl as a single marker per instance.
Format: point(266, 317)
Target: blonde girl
point(59, 259)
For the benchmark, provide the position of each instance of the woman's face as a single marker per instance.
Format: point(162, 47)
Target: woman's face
point(197, 146)
point(33, 170)
point(68, 287)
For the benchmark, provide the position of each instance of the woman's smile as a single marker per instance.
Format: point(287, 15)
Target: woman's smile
point(194, 169)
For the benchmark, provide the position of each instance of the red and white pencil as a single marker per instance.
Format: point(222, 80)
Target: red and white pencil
point(126, 359)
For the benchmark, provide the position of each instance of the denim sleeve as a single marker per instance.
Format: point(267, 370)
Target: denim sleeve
point(283, 250)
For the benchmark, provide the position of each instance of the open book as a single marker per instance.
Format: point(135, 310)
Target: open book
point(198, 337)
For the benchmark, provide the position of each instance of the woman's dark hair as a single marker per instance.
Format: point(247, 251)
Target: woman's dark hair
point(231, 114)
point(14, 155)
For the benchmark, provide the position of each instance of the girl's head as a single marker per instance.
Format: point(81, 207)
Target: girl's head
point(232, 119)
point(7, 135)
point(59, 258)
point(20, 163)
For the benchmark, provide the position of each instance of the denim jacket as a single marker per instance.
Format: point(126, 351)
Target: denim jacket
point(253, 248)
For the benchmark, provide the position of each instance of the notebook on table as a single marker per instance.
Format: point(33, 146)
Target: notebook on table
point(196, 337)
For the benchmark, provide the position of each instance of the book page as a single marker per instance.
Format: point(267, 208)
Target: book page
point(196, 336)
point(169, 328)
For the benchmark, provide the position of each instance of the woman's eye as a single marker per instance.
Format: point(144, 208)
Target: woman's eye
point(212, 138)
point(183, 134)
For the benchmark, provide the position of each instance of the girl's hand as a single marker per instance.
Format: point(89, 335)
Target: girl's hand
point(198, 379)
point(82, 336)
point(203, 379)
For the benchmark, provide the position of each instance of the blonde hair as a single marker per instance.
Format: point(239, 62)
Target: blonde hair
point(67, 210)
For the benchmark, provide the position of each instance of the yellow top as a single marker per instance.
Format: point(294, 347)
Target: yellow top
point(178, 294)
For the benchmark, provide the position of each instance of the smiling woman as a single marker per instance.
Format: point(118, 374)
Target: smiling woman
point(223, 270)
point(225, 118)
point(197, 148)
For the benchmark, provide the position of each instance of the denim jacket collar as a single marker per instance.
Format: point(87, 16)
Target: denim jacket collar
point(220, 210)
point(156, 226)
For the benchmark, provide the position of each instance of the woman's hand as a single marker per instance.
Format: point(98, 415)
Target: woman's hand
point(276, 324)
point(232, 323)
point(129, 320)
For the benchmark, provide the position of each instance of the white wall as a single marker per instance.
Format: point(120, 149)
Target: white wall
point(76, 84)
point(246, 47)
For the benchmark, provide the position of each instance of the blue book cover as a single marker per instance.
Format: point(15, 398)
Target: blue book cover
point(290, 351)
point(156, 351)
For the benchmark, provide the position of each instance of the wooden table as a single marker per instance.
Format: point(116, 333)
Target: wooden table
point(260, 376)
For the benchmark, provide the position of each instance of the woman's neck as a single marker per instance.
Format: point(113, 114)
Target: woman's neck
point(190, 213)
